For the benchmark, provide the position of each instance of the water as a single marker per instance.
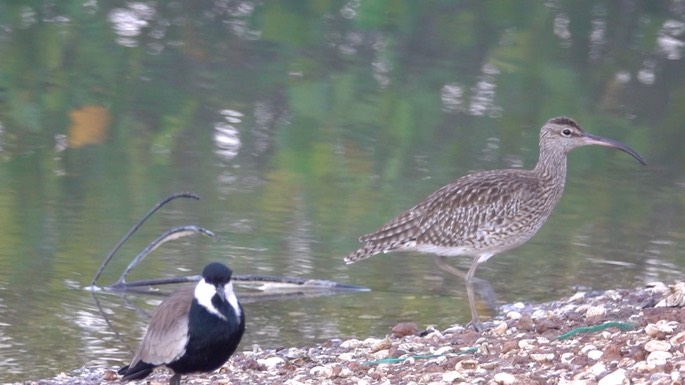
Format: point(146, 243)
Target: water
point(303, 126)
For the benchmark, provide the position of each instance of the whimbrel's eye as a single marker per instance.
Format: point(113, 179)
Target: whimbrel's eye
point(566, 132)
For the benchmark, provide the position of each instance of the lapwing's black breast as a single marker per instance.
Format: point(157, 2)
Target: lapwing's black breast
point(212, 339)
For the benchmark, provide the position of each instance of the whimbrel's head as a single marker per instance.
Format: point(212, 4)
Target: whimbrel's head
point(564, 134)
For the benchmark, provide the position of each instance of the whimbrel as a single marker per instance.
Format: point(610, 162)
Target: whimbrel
point(489, 212)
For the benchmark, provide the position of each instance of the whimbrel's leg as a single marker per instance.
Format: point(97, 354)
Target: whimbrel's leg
point(475, 321)
point(441, 261)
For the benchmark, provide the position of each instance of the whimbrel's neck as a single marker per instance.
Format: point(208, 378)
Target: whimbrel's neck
point(551, 167)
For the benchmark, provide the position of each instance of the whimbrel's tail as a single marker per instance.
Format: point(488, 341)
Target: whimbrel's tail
point(365, 252)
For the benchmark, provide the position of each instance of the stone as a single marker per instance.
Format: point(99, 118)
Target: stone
point(271, 362)
point(403, 329)
point(594, 354)
point(657, 346)
point(351, 344)
point(504, 378)
point(659, 358)
point(617, 377)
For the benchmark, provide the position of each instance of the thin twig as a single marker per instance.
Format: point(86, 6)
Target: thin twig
point(122, 286)
point(176, 232)
point(135, 228)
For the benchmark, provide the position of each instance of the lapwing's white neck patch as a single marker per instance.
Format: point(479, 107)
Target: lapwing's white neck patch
point(204, 292)
point(232, 299)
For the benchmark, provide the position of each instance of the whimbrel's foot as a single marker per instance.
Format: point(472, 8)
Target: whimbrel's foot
point(480, 326)
point(476, 325)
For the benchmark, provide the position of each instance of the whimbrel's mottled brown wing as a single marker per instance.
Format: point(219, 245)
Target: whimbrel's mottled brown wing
point(459, 214)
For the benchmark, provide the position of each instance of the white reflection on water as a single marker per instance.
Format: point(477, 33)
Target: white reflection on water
point(669, 42)
point(452, 96)
point(129, 22)
point(226, 135)
point(483, 99)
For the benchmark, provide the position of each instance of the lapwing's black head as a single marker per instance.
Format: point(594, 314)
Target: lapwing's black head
point(216, 288)
point(217, 274)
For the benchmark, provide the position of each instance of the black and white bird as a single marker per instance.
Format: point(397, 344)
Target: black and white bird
point(196, 329)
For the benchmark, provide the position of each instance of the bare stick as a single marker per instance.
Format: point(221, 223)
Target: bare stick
point(151, 282)
point(259, 282)
point(176, 232)
point(135, 228)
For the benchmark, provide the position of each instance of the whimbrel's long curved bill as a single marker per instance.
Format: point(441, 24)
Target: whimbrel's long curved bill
point(598, 140)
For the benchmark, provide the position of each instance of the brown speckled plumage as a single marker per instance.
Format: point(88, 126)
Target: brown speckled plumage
point(486, 213)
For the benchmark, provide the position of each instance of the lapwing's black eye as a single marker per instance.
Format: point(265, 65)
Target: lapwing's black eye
point(566, 132)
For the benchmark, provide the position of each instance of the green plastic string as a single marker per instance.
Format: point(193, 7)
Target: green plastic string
point(623, 326)
point(420, 357)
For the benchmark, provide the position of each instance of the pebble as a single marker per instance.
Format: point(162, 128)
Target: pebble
point(110, 375)
point(443, 350)
point(613, 295)
point(526, 344)
point(454, 329)
point(351, 344)
point(405, 329)
point(539, 314)
point(513, 315)
point(320, 371)
point(271, 362)
point(595, 314)
point(578, 297)
point(644, 367)
point(504, 378)
point(500, 329)
point(567, 357)
point(657, 346)
point(574, 382)
point(381, 354)
point(660, 329)
point(371, 341)
point(678, 339)
point(383, 344)
point(617, 377)
point(466, 365)
point(451, 376)
point(598, 368)
point(542, 357)
point(659, 358)
point(594, 354)
point(676, 298)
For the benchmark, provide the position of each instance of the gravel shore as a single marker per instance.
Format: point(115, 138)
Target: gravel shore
point(606, 338)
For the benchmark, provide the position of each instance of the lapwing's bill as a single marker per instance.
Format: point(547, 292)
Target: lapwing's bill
point(196, 329)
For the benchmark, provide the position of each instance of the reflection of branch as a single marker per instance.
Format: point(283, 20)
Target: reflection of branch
point(139, 310)
point(109, 324)
point(135, 228)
